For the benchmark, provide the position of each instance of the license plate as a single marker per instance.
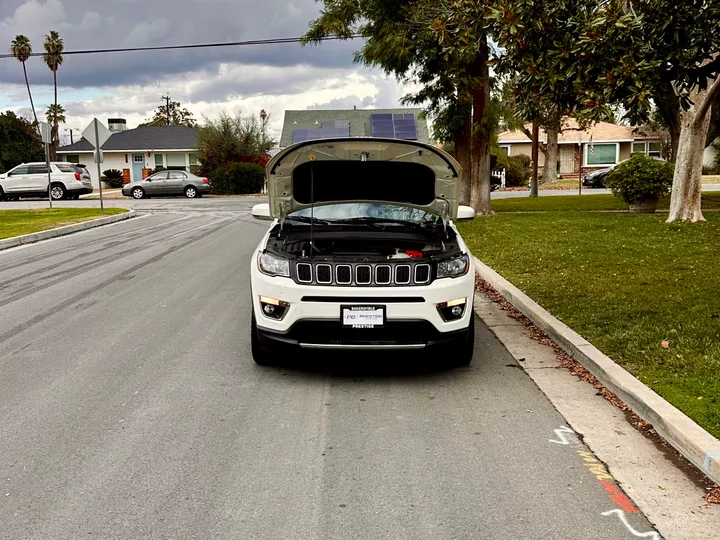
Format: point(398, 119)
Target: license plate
point(363, 316)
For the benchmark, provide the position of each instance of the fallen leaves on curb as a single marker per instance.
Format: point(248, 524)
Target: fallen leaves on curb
point(578, 370)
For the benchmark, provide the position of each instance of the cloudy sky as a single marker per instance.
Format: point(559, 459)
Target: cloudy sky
point(206, 81)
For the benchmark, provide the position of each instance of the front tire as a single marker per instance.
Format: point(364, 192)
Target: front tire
point(138, 193)
point(57, 192)
point(262, 355)
point(461, 352)
point(2, 194)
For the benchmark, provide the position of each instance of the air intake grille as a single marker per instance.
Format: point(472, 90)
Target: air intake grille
point(407, 273)
point(304, 273)
point(324, 273)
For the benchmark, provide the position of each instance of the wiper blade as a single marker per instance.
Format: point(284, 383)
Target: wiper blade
point(307, 219)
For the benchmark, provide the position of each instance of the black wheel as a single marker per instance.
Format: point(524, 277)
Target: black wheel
point(2, 194)
point(462, 350)
point(57, 192)
point(138, 193)
point(191, 192)
point(262, 355)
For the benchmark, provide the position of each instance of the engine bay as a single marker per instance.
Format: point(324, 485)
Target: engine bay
point(363, 245)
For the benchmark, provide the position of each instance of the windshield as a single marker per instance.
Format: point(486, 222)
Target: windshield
point(367, 211)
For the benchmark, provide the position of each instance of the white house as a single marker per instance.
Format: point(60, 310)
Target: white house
point(138, 151)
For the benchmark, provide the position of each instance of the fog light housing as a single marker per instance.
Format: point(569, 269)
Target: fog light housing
point(273, 309)
point(454, 310)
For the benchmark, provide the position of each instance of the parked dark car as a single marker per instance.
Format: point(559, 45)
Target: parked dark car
point(168, 183)
point(596, 179)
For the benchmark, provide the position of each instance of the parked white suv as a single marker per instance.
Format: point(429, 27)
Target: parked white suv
point(68, 181)
point(363, 252)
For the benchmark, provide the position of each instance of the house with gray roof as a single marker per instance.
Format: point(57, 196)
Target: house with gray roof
point(408, 124)
point(138, 151)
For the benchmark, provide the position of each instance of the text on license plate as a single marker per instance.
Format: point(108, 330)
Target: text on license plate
point(363, 316)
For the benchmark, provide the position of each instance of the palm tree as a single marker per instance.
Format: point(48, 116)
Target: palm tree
point(53, 58)
point(22, 49)
point(55, 115)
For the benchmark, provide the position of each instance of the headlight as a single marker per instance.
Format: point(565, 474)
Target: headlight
point(273, 266)
point(454, 267)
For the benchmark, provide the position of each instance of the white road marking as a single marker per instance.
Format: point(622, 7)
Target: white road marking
point(560, 435)
point(623, 518)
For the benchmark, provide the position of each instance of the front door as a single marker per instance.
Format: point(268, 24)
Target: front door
point(567, 159)
point(16, 180)
point(138, 166)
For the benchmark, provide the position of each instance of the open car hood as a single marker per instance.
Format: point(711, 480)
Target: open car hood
point(352, 169)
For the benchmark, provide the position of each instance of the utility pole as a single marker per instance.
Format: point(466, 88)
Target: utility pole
point(167, 110)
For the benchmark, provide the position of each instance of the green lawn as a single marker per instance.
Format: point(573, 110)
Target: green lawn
point(625, 282)
point(17, 222)
point(584, 203)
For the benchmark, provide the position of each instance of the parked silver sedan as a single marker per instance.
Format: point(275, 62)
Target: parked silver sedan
point(168, 183)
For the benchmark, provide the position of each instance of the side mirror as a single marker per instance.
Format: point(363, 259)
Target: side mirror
point(465, 213)
point(262, 212)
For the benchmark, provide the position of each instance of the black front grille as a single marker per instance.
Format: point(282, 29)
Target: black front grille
point(405, 273)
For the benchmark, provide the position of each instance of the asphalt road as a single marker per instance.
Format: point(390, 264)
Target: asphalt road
point(130, 408)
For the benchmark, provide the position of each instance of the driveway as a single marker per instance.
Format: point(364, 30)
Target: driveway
point(130, 408)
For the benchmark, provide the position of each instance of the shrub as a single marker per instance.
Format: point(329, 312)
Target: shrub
point(238, 179)
point(640, 178)
point(113, 177)
point(517, 169)
point(157, 169)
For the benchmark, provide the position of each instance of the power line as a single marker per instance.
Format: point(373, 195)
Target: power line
point(274, 41)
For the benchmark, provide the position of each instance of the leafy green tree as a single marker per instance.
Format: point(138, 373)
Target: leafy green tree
point(55, 115)
point(234, 139)
point(18, 142)
point(637, 54)
point(177, 116)
point(456, 89)
point(53, 58)
point(21, 49)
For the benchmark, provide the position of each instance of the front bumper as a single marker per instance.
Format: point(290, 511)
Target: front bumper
point(313, 319)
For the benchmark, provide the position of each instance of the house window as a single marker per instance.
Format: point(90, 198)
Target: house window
point(72, 158)
point(193, 159)
point(504, 151)
point(654, 149)
point(638, 148)
point(159, 160)
point(601, 154)
point(138, 158)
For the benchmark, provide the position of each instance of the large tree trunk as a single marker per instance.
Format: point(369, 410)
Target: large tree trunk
point(685, 204)
point(535, 154)
point(463, 152)
point(480, 168)
point(551, 157)
point(669, 107)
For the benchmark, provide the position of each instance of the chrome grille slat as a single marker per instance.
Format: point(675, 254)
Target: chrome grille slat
point(383, 274)
point(341, 271)
point(360, 274)
point(402, 274)
point(422, 273)
point(304, 273)
point(323, 273)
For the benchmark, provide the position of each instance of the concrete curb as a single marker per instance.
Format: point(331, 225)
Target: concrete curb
point(16, 241)
point(692, 441)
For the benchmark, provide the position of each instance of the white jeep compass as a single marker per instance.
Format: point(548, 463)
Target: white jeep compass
point(363, 252)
